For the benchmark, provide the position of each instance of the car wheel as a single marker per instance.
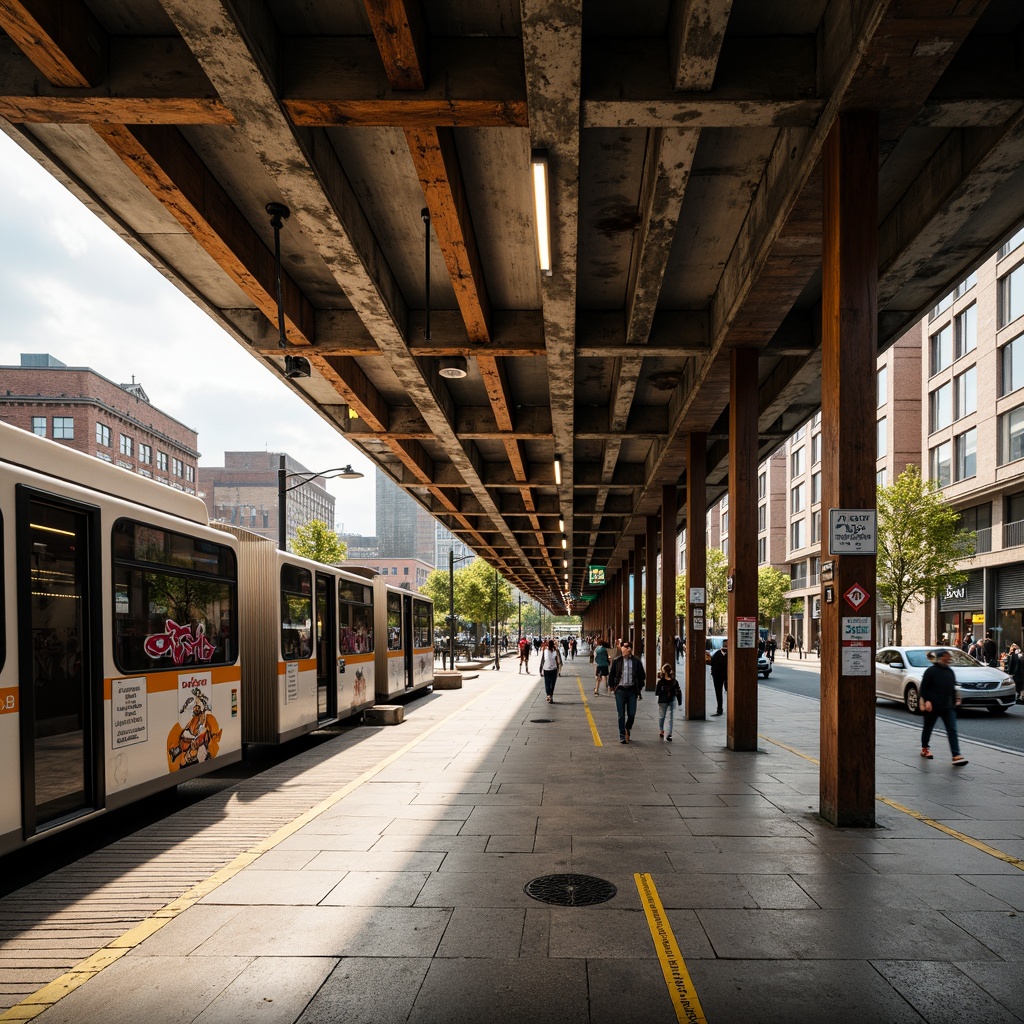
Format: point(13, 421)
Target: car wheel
point(998, 709)
point(912, 699)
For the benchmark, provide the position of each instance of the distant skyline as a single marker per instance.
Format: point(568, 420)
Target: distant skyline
point(72, 288)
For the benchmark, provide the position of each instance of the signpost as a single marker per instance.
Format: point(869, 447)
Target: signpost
point(852, 531)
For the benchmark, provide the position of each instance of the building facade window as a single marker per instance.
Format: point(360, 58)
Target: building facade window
point(64, 428)
point(815, 449)
point(796, 499)
point(103, 435)
point(127, 445)
point(161, 461)
point(1011, 436)
point(966, 386)
point(1011, 243)
point(725, 522)
point(882, 387)
point(1011, 364)
point(881, 438)
point(941, 348)
point(816, 526)
point(796, 462)
point(967, 454)
point(940, 463)
point(39, 426)
point(190, 474)
point(762, 485)
point(762, 550)
point(967, 330)
point(1011, 295)
point(762, 518)
point(882, 477)
point(940, 407)
point(145, 453)
point(815, 488)
point(796, 534)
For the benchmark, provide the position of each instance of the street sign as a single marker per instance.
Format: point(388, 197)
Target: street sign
point(856, 627)
point(852, 531)
point(595, 576)
point(697, 595)
point(856, 596)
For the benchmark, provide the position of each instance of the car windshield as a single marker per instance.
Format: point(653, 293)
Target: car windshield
point(918, 658)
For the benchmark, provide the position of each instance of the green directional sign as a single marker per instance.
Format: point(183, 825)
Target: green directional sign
point(595, 576)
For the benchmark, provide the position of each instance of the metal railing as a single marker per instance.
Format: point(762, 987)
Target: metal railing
point(983, 542)
point(1013, 534)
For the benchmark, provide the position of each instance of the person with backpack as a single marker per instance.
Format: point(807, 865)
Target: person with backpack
point(669, 694)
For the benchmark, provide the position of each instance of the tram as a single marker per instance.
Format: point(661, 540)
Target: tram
point(143, 646)
point(405, 659)
point(307, 641)
point(119, 658)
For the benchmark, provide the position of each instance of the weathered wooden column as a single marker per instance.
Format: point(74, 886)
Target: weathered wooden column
point(642, 641)
point(651, 594)
point(669, 507)
point(624, 599)
point(696, 574)
point(849, 349)
point(742, 632)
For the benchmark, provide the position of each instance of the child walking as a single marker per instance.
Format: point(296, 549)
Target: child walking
point(669, 694)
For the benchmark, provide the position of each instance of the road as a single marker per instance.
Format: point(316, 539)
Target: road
point(1003, 731)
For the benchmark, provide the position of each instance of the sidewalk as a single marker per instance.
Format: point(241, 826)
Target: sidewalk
point(403, 897)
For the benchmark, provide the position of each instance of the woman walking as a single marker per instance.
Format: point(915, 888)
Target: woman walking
point(600, 667)
point(550, 663)
point(669, 694)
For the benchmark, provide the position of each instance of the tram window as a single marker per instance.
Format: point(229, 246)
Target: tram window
point(3, 590)
point(422, 624)
point(183, 612)
point(296, 613)
point(394, 622)
point(355, 618)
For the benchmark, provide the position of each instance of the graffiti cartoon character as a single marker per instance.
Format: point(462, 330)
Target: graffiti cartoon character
point(198, 739)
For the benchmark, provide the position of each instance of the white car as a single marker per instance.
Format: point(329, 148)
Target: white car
point(898, 672)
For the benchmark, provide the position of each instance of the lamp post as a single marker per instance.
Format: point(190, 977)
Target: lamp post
point(497, 649)
point(451, 601)
point(338, 473)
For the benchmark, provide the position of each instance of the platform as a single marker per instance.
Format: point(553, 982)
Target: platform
point(380, 877)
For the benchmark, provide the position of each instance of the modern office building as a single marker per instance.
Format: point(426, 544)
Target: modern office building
point(117, 423)
point(404, 528)
point(244, 492)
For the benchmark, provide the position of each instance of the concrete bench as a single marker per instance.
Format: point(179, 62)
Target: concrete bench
point(384, 714)
point(447, 680)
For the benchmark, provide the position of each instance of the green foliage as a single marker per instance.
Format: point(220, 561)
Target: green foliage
point(318, 541)
point(918, 544)
point(716, 589)
point(474, 595)
point(771, 589)
point(435, 586)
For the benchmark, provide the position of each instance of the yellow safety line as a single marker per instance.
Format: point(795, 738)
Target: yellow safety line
point(923, 818)
point(590, 717)
point(33, 1005)
point(680, 985)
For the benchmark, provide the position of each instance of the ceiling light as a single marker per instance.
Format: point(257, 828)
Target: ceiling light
point(296, 366)
point(558, 470)
point(565, 563)
point(561, 525)
point(565, 542)
point(453, 367)
point(542, 208)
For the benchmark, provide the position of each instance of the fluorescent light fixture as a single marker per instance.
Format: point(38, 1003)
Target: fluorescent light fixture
point(541, 207)
point(558, 470)
point(565, 563)
point(561, 525)
point(565, 542)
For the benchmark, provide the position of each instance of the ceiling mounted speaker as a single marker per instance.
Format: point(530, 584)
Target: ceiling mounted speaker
point(453, 367)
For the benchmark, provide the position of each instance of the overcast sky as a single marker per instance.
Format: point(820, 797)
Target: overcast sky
point(70, 287)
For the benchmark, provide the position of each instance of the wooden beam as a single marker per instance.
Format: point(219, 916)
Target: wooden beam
point(695, 37)
point(401, 38)
point(62, 38)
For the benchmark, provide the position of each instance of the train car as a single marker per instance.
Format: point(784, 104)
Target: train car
point(306, 640)
point(119, 657)
point(405, 645)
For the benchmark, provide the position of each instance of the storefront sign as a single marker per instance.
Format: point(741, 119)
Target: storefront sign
point(957, 593)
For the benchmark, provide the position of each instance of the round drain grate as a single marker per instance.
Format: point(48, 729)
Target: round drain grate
point(541, 720)
point(570, 890)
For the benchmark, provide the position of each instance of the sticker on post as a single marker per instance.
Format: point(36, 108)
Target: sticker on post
point(856, 659)
point(746, 631)
point(856, 627)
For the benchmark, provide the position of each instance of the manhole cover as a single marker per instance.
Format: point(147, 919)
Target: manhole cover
point(541, 720)
point(570, 890)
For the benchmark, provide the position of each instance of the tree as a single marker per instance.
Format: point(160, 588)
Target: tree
point(918, 544)
point(771, 589)
point(716, 589)
point(318, 541)
point(474, 594)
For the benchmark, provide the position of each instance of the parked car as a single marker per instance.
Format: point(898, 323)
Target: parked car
point(898, 672)
point(714, 643)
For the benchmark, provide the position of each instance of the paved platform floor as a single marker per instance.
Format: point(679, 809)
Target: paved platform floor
point(401, 898)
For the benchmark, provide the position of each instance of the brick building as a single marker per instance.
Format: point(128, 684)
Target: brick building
point(82, 409)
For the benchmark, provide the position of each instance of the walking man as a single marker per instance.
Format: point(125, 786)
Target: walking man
point(720, 673)
point(939, 700)
point(626, 681)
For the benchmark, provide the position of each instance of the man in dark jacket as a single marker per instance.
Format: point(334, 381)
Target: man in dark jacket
point(626, 682)
point(720, 673)
point(939, 700)
point(990, 650)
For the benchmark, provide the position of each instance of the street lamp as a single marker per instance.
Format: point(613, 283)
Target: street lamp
point(338, 473)
point(451, 601)
point(497, 654)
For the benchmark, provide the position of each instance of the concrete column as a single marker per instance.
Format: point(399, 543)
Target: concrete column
point(849, 354)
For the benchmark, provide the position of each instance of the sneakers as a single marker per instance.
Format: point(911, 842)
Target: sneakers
point(925, 752)
point(959, 762)
point(669, 737)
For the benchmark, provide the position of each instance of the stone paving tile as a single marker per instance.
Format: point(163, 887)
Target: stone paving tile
point(367, 990)
point(1001, 931)
point(627, 992)
point(1008, 889)
point(483, 932)
point(378, 860)
point(940, 992)
point(605, 932)
point(393, 843)
point(282, 888)
point(1003, 981)
point(376, 889)
point(187, 932)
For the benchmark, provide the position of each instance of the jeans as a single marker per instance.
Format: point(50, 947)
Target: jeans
point(948, 716)
point(625, 704)
point(670, 707)
point(550, 675)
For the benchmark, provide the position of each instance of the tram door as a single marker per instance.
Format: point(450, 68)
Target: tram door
point(407, 638)
point(60, 694)
point(326, 648)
